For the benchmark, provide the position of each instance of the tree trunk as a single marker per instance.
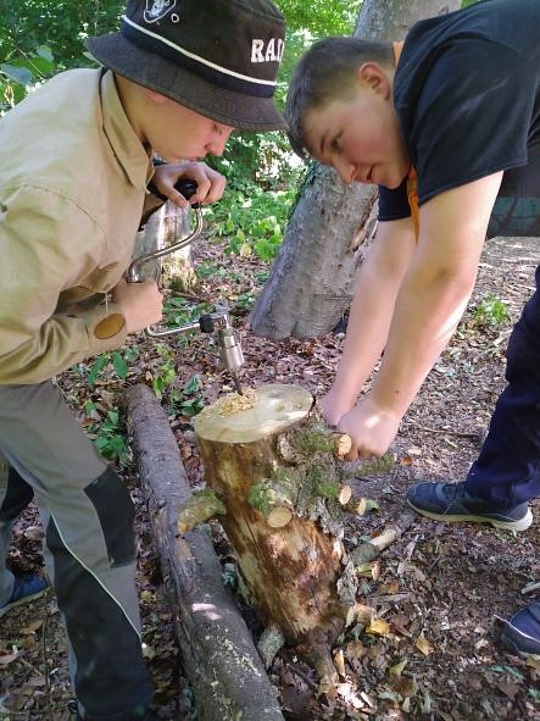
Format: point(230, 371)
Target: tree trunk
point(269, 451)
point(291, 571)
point(273, 447)
point(312, 280)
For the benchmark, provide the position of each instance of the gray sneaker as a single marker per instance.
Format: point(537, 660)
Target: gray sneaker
point(451, 502)
point(521, 634)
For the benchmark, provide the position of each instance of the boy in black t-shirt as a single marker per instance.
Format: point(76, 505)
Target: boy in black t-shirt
point(449, 128)
point(76, 180)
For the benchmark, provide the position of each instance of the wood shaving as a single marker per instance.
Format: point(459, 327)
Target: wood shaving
point(232, 403)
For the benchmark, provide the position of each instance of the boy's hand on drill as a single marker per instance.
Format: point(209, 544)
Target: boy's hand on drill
point(140, 303)
point(210, 183)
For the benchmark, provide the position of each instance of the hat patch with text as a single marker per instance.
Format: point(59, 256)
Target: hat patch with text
point(157, 9)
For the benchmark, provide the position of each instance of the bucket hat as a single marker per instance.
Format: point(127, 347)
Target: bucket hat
point(219, 58)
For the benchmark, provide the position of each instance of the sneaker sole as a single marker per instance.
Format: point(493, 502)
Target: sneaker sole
point(521, 524)
point(512, 647)
point(20, 602)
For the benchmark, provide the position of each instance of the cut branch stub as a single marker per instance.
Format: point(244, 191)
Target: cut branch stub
point(201, 507)
point(275, 497)
point(342, 444)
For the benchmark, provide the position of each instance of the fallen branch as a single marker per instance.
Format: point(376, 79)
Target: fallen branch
point(366, 552)
point(227, 676)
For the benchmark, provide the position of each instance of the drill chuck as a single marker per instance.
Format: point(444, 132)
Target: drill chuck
point(230, 349)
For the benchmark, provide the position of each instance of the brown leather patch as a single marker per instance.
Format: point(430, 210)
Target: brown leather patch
point(109, 326)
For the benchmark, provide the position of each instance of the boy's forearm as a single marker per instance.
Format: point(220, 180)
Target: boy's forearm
point(367, 332)
point(426, 316)
point(372, 308)
point(435, 291)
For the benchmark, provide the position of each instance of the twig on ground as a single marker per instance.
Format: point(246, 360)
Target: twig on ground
point(531, 587)
point(301, 674)
point(44, 656)
point(476, 435)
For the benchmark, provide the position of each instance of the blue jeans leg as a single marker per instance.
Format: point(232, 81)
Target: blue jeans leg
point(507, 471)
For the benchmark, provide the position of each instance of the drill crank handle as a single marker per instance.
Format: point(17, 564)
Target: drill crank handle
point(186, 186)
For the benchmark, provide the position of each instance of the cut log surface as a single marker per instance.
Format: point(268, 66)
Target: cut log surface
point(269, 410)
point(291, 571)
point(228, 678)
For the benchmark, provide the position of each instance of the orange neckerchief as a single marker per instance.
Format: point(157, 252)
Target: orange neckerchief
point(412, 178)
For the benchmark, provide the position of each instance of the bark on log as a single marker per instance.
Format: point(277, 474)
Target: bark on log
point(226, 673)
point(292, 571)
point(270, 449)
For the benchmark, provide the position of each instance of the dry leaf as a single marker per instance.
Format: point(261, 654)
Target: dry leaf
point(389, 588)
point(348, 693)
point(399, 623)
point(397, 669)
point(414, 451)
point(339, 663)
point(423, 645)
point(31, 628)
point(355, 649)
point(378, 628)
point(367, 699)
point(359, 614)
point(6, 659)
point(34, 533)
point(406, 705)
point(509, 688)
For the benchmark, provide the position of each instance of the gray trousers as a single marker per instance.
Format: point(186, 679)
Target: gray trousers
point(89, 546)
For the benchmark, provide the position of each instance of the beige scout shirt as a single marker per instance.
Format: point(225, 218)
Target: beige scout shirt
point(72, 187)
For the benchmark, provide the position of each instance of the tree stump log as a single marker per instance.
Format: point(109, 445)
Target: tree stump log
point(263, 455)
point(228, 678)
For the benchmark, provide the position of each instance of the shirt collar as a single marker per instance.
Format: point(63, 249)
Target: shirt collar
point(123, 140)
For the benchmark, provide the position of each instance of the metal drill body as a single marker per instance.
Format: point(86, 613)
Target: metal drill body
point(230, 350)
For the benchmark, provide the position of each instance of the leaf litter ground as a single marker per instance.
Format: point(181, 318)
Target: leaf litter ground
point(437, 590)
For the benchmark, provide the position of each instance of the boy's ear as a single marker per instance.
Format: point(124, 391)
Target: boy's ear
point(374, 76)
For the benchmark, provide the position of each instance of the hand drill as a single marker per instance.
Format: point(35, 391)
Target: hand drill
point(230, 350)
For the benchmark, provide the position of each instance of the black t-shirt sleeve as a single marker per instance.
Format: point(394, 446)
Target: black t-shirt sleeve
point(472, 116)
point(393, 204)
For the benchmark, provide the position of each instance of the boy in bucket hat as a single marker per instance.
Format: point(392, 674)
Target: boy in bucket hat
point(75, 179)
point(448, 127)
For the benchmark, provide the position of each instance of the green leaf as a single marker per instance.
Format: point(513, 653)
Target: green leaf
point(120, 365)
point(96, 369)
point(192, 386)
point(45, 52)
point(21, 75)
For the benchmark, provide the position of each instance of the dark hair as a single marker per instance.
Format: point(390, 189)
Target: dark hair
point(327, 72)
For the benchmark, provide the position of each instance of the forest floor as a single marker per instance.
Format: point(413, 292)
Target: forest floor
point(440, 587)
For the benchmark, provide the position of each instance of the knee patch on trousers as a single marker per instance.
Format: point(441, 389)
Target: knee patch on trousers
point(116, 513)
